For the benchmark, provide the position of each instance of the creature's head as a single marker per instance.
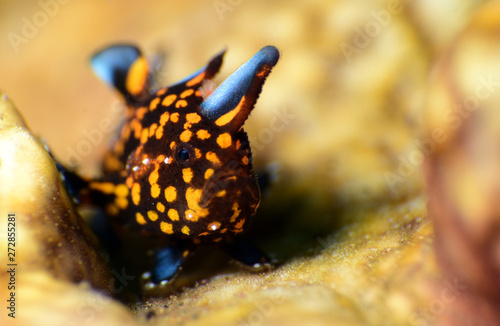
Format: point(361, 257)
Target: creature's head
point(187, 159)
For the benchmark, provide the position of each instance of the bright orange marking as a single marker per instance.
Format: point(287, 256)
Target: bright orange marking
point(160, 158)
point(136, 193)
point(121, 202)
point(195, 80)
point(185, 230)
point(221, 193)
point(161, 92)
point(160, 207)
point(209, 173)
point(152, 129)
point(228, 117)
point(121, 190)
point(185, 136)
point(187, 175)
point(140, 219)
point(129, 182)
point(197, 152)
point(193, 118)
point(237, 211)
point(203, 134)
point(212, 157)
point(174, 117)
point(140, 112)
point(239, 225)
point(164, 118)
point(155, 190)
point(193, 198)
point(119, 147)
point(137, 76)
point(154, 104)
point(224, 140)
point(159, 132)
point(172, 145)
point(125, 133)
point(191, 215)
point(152, 215)
point(214, 226)
point(181, 104)
point(245, 160)
point(238, 144)
point(144, 135)
point(167, 101)
point(166, 228)
point(170, 194)
point(173, 214)
point(153, 177)
point(187, 92)
point(104, 187)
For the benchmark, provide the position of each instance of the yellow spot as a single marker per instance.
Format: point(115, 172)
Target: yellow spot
point(185, 136)
point(160, 207)
point(239, 225)
point(173, 215)
point(104, 187)
point(144, 135)
point(224, 140)
point(125, 133)
point(170, 194)
point(119, 147)
point(196, 80)
point(181, 104)
point(160, 158)
point(121, 190)
point(136, 193)
point(203, 134)
point(167, 101)
point(140, 112)
point(161, 92)
point(237, 211)
point(174, 117)
point(185, 253)
point(193, 198)
point(186, 93)
point(214, 226)
point(197, 152)
point(218, 240)
point(121, 202)
point(185, 230)
point(187, 175)
point(164, 118)
point(238, 144)
point(129, 182)
point(193, 118)
point(212, 157)
point(166, 228)
point(153, 177)
point(159, 132)
point(197, 93)
point(209, 173)
point(228, 117)
point(136, 126)
point(191, 215)
point(245, 160)
point(152, 215)
point(155, 190)
point(154, 103)
point(221, 193)
point(140, 219)
point(137, 76)
point(152, 129)
point(172, 145)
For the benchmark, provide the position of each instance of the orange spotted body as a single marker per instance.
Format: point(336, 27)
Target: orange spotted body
point(181, 167)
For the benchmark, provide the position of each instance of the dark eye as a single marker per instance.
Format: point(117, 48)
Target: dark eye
point(183, 154)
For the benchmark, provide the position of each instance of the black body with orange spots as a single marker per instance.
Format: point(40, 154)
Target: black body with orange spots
point(182, 165)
